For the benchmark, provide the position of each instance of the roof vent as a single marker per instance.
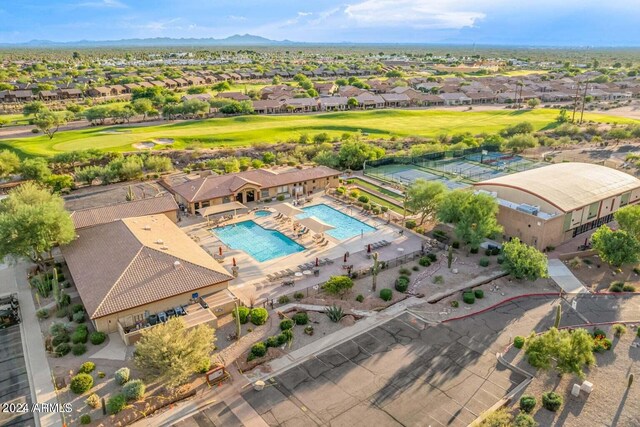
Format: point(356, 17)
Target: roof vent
point(164, 247)
point(147, 227)
point(159, 241)
point(176, 264)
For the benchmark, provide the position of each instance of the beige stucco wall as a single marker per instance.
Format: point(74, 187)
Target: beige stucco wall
point(109, 323)
point(530, 229)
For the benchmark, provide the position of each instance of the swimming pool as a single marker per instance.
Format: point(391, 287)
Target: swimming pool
point(261, 244)
point(345, 226)
point(262, 214)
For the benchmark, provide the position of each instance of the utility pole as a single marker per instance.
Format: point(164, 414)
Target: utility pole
point(584, 97)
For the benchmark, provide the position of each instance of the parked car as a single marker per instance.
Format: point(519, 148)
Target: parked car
point(203, 303)
point(180, 311)
point(153, 319)
point(171, 313)
point(162, 316)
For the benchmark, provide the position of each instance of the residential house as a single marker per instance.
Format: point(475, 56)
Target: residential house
point(395, 100)
point(97, 92)
point(325, 89)
point(482, 97)
point(130, 87)
point(48, 95)
point(334, 103)
point(199, 96)
point(72, 93)
point(119, 89)
point(368, 100)
point(267, 106)
point(455, 98)
point(301, 105)
point(236, 96)
point(181, 82)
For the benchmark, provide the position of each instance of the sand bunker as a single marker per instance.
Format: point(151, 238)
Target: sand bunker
point(115, 132)
point(164, 141)
point(144, 145)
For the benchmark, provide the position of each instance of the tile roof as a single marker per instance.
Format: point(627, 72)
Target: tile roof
point(136, 261)
point(104, 214)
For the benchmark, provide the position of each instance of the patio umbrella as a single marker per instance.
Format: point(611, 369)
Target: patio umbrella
point(317, 262)
point(345, 258)
point(220, 250)
point(369, 248)
point(316, 225)
point(287, 209)
point(234, 262)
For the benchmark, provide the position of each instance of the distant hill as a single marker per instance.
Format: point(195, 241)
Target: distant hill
point(235, 40)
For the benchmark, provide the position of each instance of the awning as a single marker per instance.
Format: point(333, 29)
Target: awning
point(218, 209)
point(315, 225)
point(287, 209)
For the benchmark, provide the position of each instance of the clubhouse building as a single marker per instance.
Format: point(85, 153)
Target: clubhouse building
point(547, 206)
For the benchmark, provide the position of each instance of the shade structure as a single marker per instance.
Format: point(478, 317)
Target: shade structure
point(220, 209)
point(287, 209)
point(315, 225)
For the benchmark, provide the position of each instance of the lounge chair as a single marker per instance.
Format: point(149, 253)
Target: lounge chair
point(322, 261)
point(326, 242)
point(271, 277)
point(329, 261)
point(290, 272)
point(278, 216)
point(386, 243)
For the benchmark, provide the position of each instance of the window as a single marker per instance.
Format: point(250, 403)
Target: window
point(283, 189)
point(206, 204)
point(226, 199)
point(264, 193)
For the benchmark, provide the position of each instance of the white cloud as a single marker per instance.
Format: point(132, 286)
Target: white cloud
point(115, 4)
point(432, 14)
point(304, 13)
point(236, 18)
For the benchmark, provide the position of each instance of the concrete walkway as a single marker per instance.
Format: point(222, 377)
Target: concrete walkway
point(13, 278)
point(560, 274)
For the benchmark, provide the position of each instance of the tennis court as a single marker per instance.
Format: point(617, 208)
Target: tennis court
point(406, 174)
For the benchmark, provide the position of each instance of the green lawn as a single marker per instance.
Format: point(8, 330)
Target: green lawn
point(382, 202)
point(246, 130)
point(366, 184)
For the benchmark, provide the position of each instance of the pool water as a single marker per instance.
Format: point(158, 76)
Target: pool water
point(262, 214)
point(260, 243)
point(345, 226)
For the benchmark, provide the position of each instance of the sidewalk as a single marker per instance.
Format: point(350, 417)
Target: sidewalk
point(13, 278)
point(565, 278)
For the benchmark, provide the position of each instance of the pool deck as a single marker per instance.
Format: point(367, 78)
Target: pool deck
point(252, 282)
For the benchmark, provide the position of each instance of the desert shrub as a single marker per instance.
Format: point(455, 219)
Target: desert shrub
point(282, 338)
point(479, 293)
point(280, 197)
point(415, 268)
point(619, 329)
point(628, 288)
point(636, 270)
point(484, 262)
point(272, 341)
point(80, 335)
point(43, 313)
point(473, 250)
point(410, 224)
point(438, 280)
point(335, 313)
point(62, 349)
point(487, 252)
point(524, 420)
point(527, 403)
point(204, 365)
point(360, 298)
point(301, 318)
point(283, 299)
point(455, 244)
point(616, 287)
point(79, 317)
point(78, 349)
point(259, 316)
point(59, 339)
point(384, 209)
point(551, 401)
point(499, 418)
point(363, 199)
point(468, 297)
point(81, 383)
point(93, 400)
point(76, 308)
point(243, 312)
point(57, 328)
point(60, 313)
point(402, 283)
point(116, 403)
point(518, 341)
point(500, 259)
point(432, 257)
point(386, 294)
point(85, 419)
point(122, 375)
point(286, 324)
point(298, 295)
point(97, 338)
point(424, 261)
point(405, 272)
point(259, 349)
point(134, 390)
point(597, 332)
point(87, 368)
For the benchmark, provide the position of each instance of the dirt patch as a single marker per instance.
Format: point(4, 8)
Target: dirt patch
point(272, 353)
point(164, 141)
point(598, 275)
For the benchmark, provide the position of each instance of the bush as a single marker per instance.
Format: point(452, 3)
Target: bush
point(438, 280)
point(405, 272)
point(335, 313)
point(204, 365)
point(61, 313)
point(78, 317)
point(415, 268)
point(468, 297)
point(259, 316)
point(286, 324)
point(628, 288)
point(363, 199)
point(243, 312)
point(272, 341)
point(455, 304)
point(78, 349)
point(484, 262)
point(280, 197)
point(518, 341)
point(134, 390)
point(282, 338)
point(76, 308)
point(259, 349)
point(85, 419)
point(386, 294)
point(79, 336)
point(524, 420)
point(360, 298)
point(479, 293)
point(62, 349)
point(619, 329)
point(116, 404)
point(473, 250)
point(283, 299)
point(57, 328)
point(455, 244)
point(59, 339)
point(616, 287)
point(410, 224)
point(81, 383)
point(384, 209)
point(93, 400)
point(301, 318)
point(97, 338)
point(432, 257)
point(298, 295)
point(551, 401)
point(527, 403)
point(402, 284)
point(43, 313)
point(87, 368)
point(122, 375)
point(424, 261)
point(500, 259)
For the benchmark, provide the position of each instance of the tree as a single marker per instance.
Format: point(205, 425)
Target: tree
point(338, 285)
point(628, 218)
point(523, 261)
point(519, 143)
point(49, 122)
point(563, 116)
point(533, 103)
point(352, 103)
point(423, 198)
point(571, 350)
point(170, 353)
point(32, 222)
point(221, 87)
point(36, 169)
point(616, 247)
point(33, 108)
point(142, 106)
point(474, 215)
point(450, 207)
point(9, 163)
point(57, 183)
point(353, 154)
point(518, 128)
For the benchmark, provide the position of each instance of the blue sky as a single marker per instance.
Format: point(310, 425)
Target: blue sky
point(520, 22)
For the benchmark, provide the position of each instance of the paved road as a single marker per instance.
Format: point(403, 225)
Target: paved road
point(14, 380)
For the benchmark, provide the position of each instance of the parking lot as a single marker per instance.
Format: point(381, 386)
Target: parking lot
point(14, 381)
point(218, 415)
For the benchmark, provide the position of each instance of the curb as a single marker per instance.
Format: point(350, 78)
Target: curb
point(510, 299)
